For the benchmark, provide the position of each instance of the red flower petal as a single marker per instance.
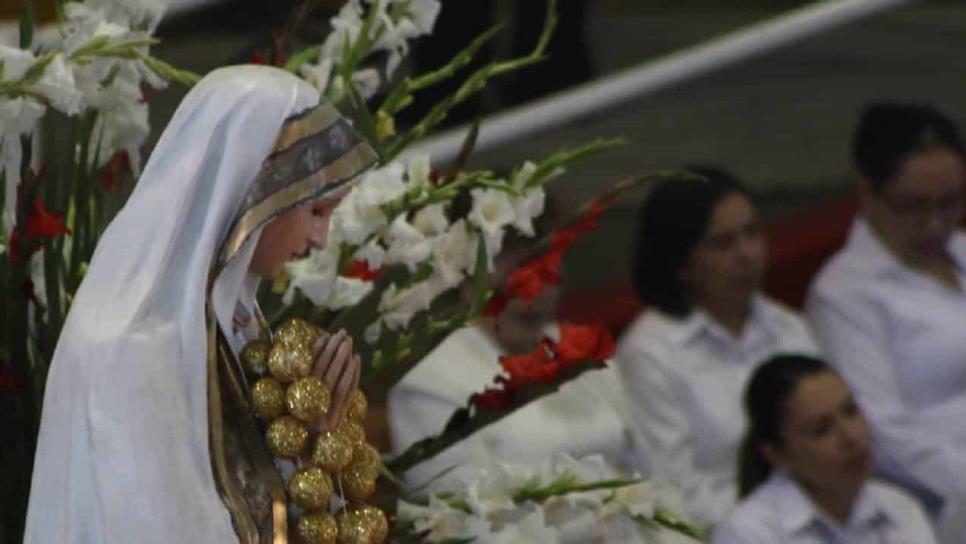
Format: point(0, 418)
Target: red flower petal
point(360, 270)
point(492, 399)
point(528, 368)
point(496, 305)
point(43, 224)
point(592, 342)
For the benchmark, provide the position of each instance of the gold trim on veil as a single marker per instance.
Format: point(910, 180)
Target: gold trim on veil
point(315, 153)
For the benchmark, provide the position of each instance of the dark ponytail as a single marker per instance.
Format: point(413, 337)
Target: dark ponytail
point(767, 393)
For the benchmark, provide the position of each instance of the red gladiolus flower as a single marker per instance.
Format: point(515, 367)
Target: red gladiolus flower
point(496, 305)
point(43, 224)
point(119, 164)
point(360, 270)
point(592, 342)
point(536, 367)
point(40, 224)
point(527, 282)
point(257, 58)
point(492, 399)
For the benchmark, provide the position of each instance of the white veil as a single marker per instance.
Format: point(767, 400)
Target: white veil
point(123, 452)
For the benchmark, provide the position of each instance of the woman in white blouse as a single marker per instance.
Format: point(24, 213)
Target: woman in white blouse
point(889, 309)
point(685, 361)
point(805, 466)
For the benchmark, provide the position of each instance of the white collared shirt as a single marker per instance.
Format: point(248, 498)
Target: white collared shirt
point(581, 419)
point(778, 512)
point(684, 380)
point(899, 339)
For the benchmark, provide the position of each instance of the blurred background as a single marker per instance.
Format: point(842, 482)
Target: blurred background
point(779, 120)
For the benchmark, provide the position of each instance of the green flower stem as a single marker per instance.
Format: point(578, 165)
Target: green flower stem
point(402, 95)
point(476, 83)
point(569, 484)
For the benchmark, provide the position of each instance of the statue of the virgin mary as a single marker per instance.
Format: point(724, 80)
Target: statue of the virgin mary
point(146, 433)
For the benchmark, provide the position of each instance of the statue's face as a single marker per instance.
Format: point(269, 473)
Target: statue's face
point(292, 234)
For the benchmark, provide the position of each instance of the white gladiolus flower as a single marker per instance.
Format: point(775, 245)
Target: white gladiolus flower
point(418, 173)
point(398, 306)
point(441, 521)
point(141, 14)
point(57, 86)
point(418, 20)
point(406, 244)
point(431, 220)
point(359, 214)
point(454, 254)
point(16, 61)
point(314, 276)
point(492, 211)
point(366, 83)
point(317, 74)
point(18, 116)
point(347, 292)
point(372, 333)
point(372, 253)
point(526, 208)
point(531, 528)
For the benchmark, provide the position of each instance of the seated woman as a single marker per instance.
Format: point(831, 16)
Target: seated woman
point(684, 362)
point(805, 466)
point(888, 309)
point(581, 419)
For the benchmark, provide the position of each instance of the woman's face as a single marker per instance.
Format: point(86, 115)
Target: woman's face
point(727, 264)
point(826, 437)
point(917, 210)
point(292, 234)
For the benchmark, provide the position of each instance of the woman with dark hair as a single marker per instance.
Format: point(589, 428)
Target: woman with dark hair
point(805, 463)
point(685, 361)
point(889, 308)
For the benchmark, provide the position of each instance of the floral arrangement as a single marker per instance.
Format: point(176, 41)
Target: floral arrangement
point(400, 258)
point(562, 500)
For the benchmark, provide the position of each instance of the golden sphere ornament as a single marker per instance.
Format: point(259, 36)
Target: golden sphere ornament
point(318, 529)
point(310, 488)
point(332, 452)
point(291, 356)
point(367, 460)
point(358, 407)
point(357, 485)
point(352, 431)
point(290, 361)
point(297, 330)
point(254, 356)
point(268, 398)
point(375, 520)
point(354, 529)
point(287, 437)
point(308, 399)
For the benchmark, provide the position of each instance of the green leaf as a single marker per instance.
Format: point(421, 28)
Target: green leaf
point(305, 56)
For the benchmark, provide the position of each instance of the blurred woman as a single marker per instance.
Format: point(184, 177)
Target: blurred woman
point(805, 463)
point(888, 309)
point(685, 361)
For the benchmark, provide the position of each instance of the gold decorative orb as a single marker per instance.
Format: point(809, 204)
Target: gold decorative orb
point(354, 529)
point(332, 452)
point(367, 460)
point(375, 520)
point(318, 529)
point(310, 488)
point(287, 437)
point(297, 331)
point(308, 399)
point(352, 431)
point(358, 407)
point(288, 361)
point(268, 398)
point(254, 356)
point(357, 485)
